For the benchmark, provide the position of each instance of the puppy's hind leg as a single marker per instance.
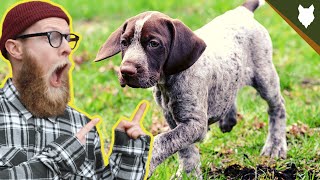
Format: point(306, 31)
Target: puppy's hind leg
point(266, 81)
point(226, 124)
point(275, 145)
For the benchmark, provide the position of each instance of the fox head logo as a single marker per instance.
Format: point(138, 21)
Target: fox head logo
point(306, 16)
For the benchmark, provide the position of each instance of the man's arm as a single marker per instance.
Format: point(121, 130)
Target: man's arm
point(130, 149)
point(128, 159)
point(57, 160)
point(65, 154)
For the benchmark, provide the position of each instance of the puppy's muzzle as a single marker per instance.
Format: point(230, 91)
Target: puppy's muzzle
point(128, 73)
point(128, 70)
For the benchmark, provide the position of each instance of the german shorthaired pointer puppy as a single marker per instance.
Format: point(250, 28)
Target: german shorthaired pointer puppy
point(197, 76)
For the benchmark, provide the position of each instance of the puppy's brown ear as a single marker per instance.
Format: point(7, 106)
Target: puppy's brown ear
point(112, 46)
point(186, 48)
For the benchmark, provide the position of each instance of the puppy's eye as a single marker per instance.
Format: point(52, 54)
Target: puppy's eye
point(124, 43)
point(153, 44)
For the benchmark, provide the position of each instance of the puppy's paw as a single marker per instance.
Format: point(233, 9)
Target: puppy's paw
point(227, 124)
point(195, 174)
point(277, 148)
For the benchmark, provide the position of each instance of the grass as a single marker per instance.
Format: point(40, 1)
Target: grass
point(97, 90)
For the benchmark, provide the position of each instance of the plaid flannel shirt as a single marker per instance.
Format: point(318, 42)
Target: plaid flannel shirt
point(46, 148)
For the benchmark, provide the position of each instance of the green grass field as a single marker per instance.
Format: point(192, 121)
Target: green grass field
point(97, 90)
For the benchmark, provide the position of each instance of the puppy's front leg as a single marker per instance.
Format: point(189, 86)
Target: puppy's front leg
point(177, 139)
point(189, 162)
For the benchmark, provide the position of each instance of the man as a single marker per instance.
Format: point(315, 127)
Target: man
point(41, 137)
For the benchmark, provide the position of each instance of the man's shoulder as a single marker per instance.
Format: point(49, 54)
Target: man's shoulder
point(2, 94)
point(4, 100)
point(7, 90)
point(3, 87)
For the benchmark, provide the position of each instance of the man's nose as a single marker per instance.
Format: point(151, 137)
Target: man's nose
point(65, 47)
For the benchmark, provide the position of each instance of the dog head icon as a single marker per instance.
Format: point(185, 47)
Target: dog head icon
point(306, 16)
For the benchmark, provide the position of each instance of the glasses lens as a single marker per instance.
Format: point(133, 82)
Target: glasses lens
point(72, 39)
point(55, 39)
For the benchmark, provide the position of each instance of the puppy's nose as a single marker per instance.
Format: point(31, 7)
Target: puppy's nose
point(128, 70)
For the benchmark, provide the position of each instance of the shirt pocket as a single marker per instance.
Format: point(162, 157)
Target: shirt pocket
point(11, 156)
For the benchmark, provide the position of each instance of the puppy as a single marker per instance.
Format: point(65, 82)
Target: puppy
point(196, 77)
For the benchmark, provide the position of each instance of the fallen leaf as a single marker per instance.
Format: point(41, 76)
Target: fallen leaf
point(227, 151)
point(102, 69)
point(239, 117)
point(80, 59)
point(288, 93)
point(159, 124)
point(258, 124)
point(111, 66)
point(300, 128)
point(111, 89)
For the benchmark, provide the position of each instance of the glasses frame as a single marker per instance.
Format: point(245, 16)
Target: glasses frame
point(48, 34)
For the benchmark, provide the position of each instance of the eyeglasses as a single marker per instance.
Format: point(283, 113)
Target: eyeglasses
point(55, 38)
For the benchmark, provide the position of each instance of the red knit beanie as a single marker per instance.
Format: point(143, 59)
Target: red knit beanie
point(24, 15)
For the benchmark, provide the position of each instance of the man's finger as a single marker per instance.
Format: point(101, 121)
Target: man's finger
point(138, 115)
point(85, 129)
point(135, 131)
point(123, 125)
point(136, 134)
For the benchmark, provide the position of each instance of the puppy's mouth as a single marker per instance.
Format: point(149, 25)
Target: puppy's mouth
point(58, 74)
point(137, 82)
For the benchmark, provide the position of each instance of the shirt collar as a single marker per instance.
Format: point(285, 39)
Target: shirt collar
point(12, 95)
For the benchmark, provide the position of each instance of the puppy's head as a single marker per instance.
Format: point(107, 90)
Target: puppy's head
point(151, 44)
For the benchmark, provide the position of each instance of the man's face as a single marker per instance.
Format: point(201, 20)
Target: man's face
point(43, 81)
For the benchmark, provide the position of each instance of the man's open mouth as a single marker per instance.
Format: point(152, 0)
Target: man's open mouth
point(57, 75)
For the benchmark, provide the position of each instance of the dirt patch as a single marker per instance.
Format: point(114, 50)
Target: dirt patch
point(236, 171)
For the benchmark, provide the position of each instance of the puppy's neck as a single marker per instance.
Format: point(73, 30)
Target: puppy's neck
point(162, 79)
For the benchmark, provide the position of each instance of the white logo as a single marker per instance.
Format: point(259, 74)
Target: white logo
point(306, 16)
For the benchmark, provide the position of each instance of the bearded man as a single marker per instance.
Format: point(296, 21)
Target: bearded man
point(41, 136)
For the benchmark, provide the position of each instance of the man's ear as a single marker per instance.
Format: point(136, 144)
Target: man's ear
point(14, 48)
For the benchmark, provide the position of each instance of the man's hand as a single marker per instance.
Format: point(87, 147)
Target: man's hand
point(133, 128)
point(81, 135)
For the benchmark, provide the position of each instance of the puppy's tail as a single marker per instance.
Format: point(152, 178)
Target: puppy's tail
point(252, 5)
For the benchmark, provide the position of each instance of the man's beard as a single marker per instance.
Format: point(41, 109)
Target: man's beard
point(36, 93)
